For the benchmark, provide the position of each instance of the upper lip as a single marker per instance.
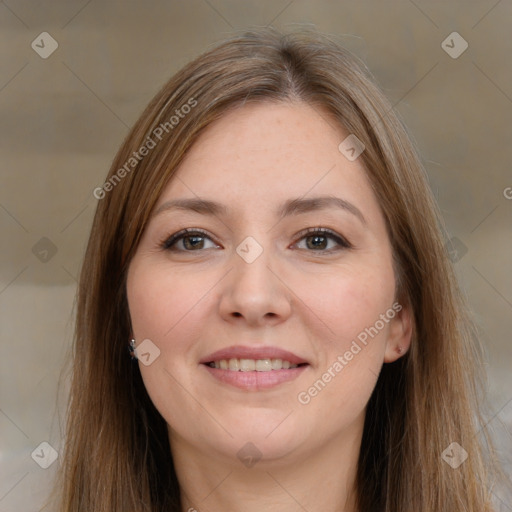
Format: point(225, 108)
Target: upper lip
point(243, 352)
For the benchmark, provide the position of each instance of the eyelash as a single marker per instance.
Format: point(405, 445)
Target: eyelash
point(343, 243)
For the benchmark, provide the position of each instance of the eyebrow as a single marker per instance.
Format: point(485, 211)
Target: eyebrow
point(289, 207)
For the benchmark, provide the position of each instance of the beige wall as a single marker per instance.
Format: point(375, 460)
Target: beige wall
point(63, 117)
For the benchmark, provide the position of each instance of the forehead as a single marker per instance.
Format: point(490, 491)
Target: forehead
point(271, 136)
point(264, 153)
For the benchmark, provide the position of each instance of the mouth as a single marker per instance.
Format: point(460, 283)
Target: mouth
point(251, 365)
point(254, 369)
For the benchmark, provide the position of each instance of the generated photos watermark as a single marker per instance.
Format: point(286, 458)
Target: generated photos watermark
point(150, 143)
point(305, 397)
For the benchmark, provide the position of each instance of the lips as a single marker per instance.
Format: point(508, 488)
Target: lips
point(243, 352)
point(286, 367)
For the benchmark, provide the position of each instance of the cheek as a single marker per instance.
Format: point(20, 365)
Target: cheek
point(346, 301)
point(161, 300)
point(167, 307)
point(355, 308)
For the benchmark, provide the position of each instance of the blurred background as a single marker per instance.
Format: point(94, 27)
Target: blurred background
point(75, 75)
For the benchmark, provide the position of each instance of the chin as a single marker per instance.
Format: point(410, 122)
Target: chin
point(270, 438)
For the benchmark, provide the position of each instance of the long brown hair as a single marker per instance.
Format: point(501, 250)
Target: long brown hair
point(117, 455)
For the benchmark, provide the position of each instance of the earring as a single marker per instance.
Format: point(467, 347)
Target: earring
point(131, 350)
point(399, 349)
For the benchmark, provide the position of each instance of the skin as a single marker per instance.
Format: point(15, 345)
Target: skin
point(313, 302)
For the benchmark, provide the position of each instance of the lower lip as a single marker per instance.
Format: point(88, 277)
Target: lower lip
point(253, 380)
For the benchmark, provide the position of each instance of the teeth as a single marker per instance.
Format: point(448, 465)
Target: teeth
point(277, 364)
point(247, 365)
point(234, 365)
point(250, 365)
point(263, 365)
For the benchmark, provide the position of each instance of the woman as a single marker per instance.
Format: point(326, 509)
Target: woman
point(267, 243)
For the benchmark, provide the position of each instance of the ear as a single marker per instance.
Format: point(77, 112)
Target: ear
point(400, 333)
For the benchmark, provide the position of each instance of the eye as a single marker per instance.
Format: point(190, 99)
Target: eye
point(317, 239)
point(193, 239)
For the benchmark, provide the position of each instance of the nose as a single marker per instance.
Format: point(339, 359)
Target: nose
point(254, 291)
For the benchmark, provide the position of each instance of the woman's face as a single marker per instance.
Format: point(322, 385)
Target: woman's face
point(250, 281)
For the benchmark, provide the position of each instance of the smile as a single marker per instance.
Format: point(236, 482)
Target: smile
point(250, 365)
point(253, 368)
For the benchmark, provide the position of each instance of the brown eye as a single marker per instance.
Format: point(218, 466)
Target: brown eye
point(192, 240)
point(317, 239)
